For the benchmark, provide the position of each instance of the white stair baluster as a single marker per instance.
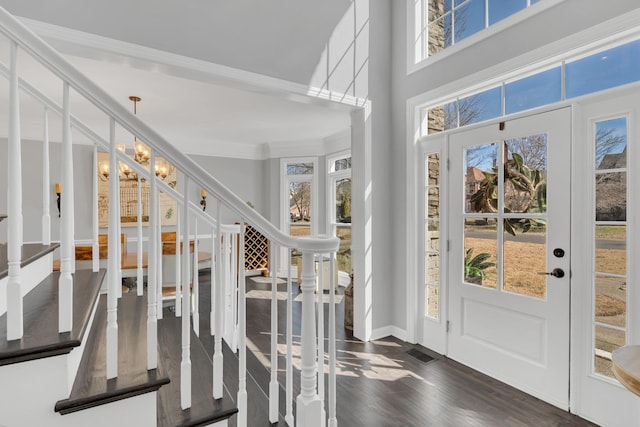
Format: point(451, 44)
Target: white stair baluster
point(185, 365)
point(114, 261)
point(289, 406)
point(46, 183)
point(274, 387)
point(152, 273)
point(213, 282)
point(158, 257)
point(118, 227)
point(218, 361)
point(65, 302)
point(242, 331)
point(15, 309)
point(140, 275)
point(95, 247)
point(333, 421)
point(195, 297)
point(176, 259)
point(320, 308)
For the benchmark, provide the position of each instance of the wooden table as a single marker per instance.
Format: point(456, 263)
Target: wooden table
point(626, 367)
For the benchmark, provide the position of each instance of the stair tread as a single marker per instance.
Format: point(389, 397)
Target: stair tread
point(41, 337)
point(30, 253)
point(91, 387)
point(204, 408)
point(3, 216)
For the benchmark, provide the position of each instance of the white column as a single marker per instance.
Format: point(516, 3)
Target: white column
point(309, 411)
point(195, 292)
point(65, 302)
point(14, 204)
point(289, 389)
point(185, 365)
point(152, 270)
point(333, 420)
point(242, 335)
point(95, 250)
point(140, 275)
point(274, 387)
point(46, 183)
point(219, 309)
point(113, 259)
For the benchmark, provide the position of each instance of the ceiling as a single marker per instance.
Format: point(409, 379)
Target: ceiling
point(199, 115)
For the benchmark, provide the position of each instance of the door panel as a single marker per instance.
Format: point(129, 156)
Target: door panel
point(508, 318)
point(606, 303)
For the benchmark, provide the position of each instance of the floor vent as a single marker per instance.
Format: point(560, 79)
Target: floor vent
point(420, 355)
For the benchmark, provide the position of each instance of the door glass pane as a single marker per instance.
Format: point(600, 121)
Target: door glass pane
point(481, 252)
point(300, 208)
point(525, 174)
point(611, 196)
point(481, 178)
point(433, 302)
point(611, 300)
point(611, 144)
point(525, 257)
point(607, 340)
point(611, 249)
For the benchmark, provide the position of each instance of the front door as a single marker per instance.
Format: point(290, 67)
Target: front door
point(509, 246)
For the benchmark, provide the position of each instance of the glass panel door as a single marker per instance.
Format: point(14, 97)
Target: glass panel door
point(509, 261)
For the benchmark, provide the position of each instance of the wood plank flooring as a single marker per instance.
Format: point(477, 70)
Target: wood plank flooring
point(380, 384)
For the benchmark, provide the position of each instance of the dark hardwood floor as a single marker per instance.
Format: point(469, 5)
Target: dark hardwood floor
point(384, 382)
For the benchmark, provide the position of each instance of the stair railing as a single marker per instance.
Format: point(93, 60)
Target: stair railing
point(310, 403)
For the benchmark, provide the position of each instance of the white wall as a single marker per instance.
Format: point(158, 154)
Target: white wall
point(32, 189)
point(566, 18)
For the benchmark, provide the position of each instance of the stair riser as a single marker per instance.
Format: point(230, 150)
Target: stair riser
point(32, 274)
point(134, 411)
point(28, 391)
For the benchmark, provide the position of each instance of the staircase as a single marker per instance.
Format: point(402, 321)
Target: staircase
point(77, 350)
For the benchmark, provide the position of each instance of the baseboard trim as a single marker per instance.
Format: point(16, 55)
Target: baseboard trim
point(390, 330)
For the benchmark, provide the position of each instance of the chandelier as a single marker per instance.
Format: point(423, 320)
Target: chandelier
point(141, 154)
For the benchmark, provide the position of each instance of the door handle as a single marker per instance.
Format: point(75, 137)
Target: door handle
point(557, 272)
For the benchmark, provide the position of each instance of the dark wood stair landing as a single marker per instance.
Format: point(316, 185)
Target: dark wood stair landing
point(204, 409)
point(30, 253)
point(41, 338)
point(91, 387)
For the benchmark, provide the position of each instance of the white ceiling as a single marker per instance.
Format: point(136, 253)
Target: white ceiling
point(196, 115)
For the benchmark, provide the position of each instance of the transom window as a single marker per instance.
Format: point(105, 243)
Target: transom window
point(604, 69)
point(442, 23)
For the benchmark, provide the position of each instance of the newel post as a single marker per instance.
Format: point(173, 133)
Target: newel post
point(309, 406)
